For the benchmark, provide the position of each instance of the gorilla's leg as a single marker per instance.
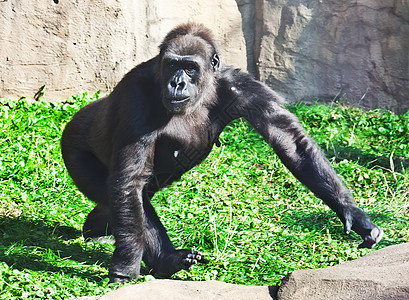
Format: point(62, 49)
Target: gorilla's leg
point(97, 223)
point(90, 176)
point(160, 255)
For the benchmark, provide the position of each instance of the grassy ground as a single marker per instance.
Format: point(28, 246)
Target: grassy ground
point(241, 207)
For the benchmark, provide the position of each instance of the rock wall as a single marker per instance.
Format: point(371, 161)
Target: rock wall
point(353, 49)
point(357, 50)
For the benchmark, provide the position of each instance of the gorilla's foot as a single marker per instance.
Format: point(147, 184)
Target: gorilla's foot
point(183, 259)
point(97, 223)
point(119, 279)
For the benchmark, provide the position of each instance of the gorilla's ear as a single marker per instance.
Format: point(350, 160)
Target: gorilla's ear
point(215, 62)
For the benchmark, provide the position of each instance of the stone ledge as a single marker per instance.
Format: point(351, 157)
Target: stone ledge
point(383, 274)
point(380, 275)
point(188, 290)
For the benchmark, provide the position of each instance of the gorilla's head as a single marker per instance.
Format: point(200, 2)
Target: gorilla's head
point(188, 62)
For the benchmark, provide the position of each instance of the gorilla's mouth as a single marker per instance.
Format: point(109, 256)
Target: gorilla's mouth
point(178, 100)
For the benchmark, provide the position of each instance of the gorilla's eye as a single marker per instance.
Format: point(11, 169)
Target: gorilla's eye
point(190, 71)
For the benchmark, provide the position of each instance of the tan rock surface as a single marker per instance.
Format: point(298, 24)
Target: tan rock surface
point(354, 49)
point(74, 46)
point(188, 290)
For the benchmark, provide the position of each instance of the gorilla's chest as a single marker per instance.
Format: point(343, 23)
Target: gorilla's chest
point(184, 142)
point(177, 155)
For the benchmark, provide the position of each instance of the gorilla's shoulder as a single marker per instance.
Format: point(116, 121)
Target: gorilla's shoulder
point(142, 74)
point(231, 73)
point(146, 69)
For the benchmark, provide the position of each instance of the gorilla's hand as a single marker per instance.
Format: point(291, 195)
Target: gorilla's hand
point(355, 219)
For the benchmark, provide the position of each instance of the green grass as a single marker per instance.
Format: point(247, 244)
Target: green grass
point(241, 207)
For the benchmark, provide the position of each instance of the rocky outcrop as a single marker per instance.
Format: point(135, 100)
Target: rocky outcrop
point(357, 50)
point(381, 275)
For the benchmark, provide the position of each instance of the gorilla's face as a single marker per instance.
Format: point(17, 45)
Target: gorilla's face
point(181, 82)
point(187, 72)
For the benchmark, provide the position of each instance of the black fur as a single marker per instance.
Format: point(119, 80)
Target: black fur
point(161, 120)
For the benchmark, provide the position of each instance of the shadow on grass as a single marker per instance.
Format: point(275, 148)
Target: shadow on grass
point(341, 151)
point(319, 221)
point(365, 159)
point(26, 244)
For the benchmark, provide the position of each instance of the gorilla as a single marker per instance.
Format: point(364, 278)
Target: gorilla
point(162, 119)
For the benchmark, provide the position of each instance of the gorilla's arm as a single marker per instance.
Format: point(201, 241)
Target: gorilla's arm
point(264, 110)
point(130, 171)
